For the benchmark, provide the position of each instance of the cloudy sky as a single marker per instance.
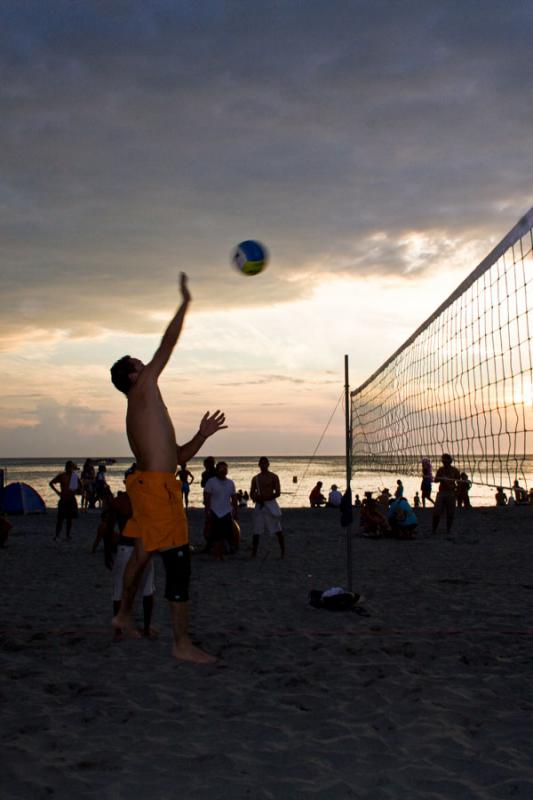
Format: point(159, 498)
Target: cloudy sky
point(380, 150)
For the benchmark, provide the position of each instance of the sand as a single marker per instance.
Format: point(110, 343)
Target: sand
point(423, 692)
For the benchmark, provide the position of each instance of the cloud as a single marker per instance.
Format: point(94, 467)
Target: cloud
point(139, 143)
point(59, 428)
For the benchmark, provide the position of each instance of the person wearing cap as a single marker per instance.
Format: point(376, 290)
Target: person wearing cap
point(67, 508)
point(334, 497)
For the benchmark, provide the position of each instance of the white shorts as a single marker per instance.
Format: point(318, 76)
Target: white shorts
point(264, 520)
point(147, 584)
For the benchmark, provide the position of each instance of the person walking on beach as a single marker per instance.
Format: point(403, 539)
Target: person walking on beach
point(427, 480)
point(221, 508)
point(264, 491)
point(159, 523)
point(67, 508)
point(447, 477)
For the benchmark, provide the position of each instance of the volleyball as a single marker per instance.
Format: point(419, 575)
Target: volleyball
point(250, 257)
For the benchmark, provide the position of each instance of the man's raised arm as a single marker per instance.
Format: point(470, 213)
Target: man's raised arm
point(171, 335)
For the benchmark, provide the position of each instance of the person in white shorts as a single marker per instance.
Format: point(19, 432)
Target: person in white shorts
point(221, 508)
point(146, 590)
point(117, 514)
point(264, 491)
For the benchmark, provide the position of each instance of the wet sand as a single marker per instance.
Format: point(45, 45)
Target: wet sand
point(424, 691)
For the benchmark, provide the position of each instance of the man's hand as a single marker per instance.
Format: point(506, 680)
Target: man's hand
point(211, 424)
point(185, 294)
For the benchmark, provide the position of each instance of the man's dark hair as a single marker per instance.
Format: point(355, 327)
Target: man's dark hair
point(120, 374)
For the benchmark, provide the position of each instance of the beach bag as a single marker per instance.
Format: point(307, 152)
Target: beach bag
point(335, 599)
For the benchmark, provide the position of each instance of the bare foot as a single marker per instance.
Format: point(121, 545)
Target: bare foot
point(151, 633)
point(125, 624)
point(186, 651)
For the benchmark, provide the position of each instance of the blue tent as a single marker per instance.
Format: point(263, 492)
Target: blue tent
point(20, 498)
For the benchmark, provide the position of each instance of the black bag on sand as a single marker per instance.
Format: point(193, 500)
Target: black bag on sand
point(340, 601)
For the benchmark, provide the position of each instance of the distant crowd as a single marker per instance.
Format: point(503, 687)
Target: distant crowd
point(393, 515)
point(386, 514)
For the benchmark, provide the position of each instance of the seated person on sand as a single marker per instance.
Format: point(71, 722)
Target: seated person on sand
point(316, 498)
point(402, 519)
point(383, 501)
point(373, 522)
point(334, 497)
point(500, 497)
point(520, 494)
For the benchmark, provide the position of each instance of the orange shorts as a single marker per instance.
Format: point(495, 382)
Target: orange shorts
point(158, 514)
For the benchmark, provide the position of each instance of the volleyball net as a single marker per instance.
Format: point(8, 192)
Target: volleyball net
point(463, 382)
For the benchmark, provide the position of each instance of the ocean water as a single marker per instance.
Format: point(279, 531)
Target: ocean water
point(328, 469)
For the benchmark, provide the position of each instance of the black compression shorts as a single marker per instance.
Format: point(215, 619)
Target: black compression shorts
point(177, 562)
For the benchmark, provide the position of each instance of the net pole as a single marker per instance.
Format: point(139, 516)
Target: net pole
point(348, 430)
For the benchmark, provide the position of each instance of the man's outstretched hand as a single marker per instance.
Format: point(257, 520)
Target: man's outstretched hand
point(185, 293)
point(210, 424)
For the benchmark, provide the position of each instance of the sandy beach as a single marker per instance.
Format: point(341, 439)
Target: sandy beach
point(424, 691)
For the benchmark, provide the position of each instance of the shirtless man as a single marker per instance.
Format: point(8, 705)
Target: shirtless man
point(67, 508)
point(447, 477)
point(159, 522)
point(264, 491)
